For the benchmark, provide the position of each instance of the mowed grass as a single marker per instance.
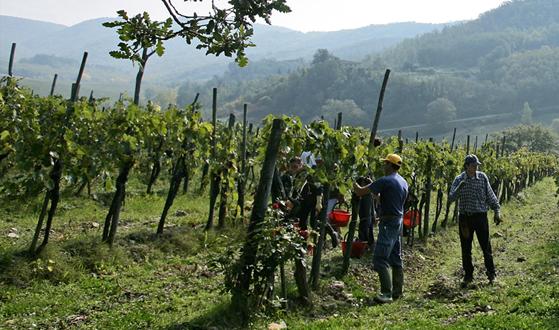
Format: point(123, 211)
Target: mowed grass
point(168, 282)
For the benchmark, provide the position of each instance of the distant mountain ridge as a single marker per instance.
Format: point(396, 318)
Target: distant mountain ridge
point(180, 61)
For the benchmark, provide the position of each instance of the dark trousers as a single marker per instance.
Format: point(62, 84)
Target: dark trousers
point(366, 214)
point(306, 210)
point(475, 223)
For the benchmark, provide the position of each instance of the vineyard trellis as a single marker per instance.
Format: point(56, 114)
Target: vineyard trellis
point(96, 144)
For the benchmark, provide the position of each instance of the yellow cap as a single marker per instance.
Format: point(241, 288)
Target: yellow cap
point(394, 159)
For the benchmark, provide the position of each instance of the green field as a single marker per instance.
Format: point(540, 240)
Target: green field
point(169, 282)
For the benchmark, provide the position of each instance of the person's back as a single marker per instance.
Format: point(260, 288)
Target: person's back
point(393, 190)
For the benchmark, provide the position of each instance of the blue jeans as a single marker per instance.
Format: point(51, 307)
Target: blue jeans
point(388, 250)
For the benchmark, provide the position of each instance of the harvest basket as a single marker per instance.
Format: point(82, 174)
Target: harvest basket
point(339, 217)
point(412, 218)
point(358, 248)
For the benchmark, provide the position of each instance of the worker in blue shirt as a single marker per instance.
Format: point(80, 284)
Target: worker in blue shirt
point(392, 190)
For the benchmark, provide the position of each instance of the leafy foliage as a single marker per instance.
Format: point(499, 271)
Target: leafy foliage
point(138, 33)
point(225, 30)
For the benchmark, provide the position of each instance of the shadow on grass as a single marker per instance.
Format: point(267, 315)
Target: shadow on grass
point(222, 316)
point(66, 261)
point(182, 241)
point(20, 268)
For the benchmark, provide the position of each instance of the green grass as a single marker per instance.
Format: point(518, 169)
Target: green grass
point(168, 283)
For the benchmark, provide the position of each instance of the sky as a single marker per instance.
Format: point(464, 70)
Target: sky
point(306, 15)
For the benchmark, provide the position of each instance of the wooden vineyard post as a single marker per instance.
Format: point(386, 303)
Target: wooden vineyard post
point(240, 295)
point(11, 63)
point(339, 122)
point(224, 193)
point(453, 139)
point(475, 146)
point(214, 177)
point(501, 190)
point(428, 186)
point(379, 109)
point(242, 177)
point(400, 146)
point(449, 185)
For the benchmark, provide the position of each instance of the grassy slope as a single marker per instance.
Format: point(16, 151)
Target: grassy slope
point(526, 252)
point(166, 283)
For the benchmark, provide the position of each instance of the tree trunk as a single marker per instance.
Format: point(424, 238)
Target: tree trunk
point(438, 210)
point(224, 196)
point(33, 245)
point(109, 218)
point(54, 194)
point(140, 75)
point(214, 192)
point(172, 193)
point(114, 213)
point(156, 168)
point(186, 179)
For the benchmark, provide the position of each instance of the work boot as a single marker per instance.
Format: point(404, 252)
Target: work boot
point(397, 282)
point(385, 277)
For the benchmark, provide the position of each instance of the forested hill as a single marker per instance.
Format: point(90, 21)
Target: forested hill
point(501, 68)
point(517, 26)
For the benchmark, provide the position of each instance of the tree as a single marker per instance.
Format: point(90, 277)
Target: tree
point(440, 112)
point(352, 114)
point(225, 30)
point(526, 117)
point(141, 38)
point(534, 137)
point(322, 55)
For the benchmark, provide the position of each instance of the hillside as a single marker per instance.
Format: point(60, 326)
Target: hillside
point(493, 65)
point(516, 26)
